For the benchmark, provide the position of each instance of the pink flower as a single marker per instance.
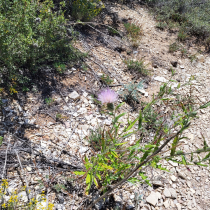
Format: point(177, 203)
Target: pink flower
point(107, 96)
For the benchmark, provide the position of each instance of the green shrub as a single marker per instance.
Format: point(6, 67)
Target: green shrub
point(31, 34)
point(173, 47)
point(137, 66)
point(133, 30)
point(162, 25)
point(193, 15)
point(86, 10)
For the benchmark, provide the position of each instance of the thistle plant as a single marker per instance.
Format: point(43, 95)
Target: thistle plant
point(117, 160)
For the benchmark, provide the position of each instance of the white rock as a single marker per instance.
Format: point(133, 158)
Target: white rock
point(107, 122)
point(166, 204)
point(82, 110)
point(152, 198)
point(74, 95)
point(83, 149)
point(146, 94)
point(167, 193)
point(22, 195)
point(173, 163)
point(173, 193)
point(173, 178)
point(178, 205)
point(159, 195)
point(160, 79)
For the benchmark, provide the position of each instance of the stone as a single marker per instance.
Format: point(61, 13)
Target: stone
point(166, 204)
point(160, 79)
point(173, 193)
point(83, 149)
point(158, 183)
point(173, 178)
point(23, 196)
point(74, 95)
point(174, 63)
point(173, 163)
point(152, 198)
point(82, 110)
point(167, 193)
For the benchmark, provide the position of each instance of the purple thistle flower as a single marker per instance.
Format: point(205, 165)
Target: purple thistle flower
point(107, 96)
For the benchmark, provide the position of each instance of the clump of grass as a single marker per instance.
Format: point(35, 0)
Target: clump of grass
point(106, 79)
point(191, 16)
point(133, 30)
point(49, 101)
point(130, 92)
point(162, 25)
point(173, 47)
point(137, 66)
point(182, 35)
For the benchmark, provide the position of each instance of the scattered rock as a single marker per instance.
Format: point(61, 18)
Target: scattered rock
point(167, 193)
point(160, 79)
point(152, 198)
point(74, 95)
point(174, 63)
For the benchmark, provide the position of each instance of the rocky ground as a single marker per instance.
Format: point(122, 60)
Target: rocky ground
point(54, 132)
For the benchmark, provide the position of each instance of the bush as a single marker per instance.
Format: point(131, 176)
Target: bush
point(137, 66)
point(191, 14)
point(86, 10)
point(31, 34)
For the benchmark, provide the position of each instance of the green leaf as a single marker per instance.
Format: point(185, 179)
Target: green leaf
point(114, 154)
point(205, 105)
point(118, 117)
point(184, 160)
point(144, 178)
point(131, 125)
point(79, 172)
point(200, 164)
point(178, 86)
point(140, 120)
point(118, 106)
point(174, 144)
point(121, 143)
point(95, 181)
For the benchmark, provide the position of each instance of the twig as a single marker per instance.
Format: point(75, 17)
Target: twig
point(5, 163)
point(27, 190)
point(68, 139)
point(136, 168)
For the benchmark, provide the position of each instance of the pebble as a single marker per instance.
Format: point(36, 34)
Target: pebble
point(152, 198)
point(74, 95)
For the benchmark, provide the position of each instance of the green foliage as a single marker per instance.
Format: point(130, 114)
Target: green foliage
point(32, 33)
point(137, 66)
point(106, 79)
point(133, 30)
point(173, 47)
point(131, 92)
point(182, 35)
point(162, 25)
point(49, 101)
point(1, 140)
point(59, 187)
point(191, 15)
point(60, 67)
point(86, 10)
point(114, 158)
